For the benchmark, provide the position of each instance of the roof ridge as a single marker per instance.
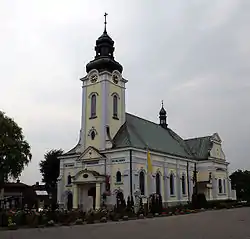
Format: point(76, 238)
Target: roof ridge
point(202, 137)
point(142, 118)
point(128, 135)
point(183, 144)
point(123, 128)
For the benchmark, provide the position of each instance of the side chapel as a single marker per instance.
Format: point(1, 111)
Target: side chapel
point(111, 155)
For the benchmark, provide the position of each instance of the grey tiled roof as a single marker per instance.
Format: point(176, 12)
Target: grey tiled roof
point(200, 147)
point(71, 151)
point(141, 133)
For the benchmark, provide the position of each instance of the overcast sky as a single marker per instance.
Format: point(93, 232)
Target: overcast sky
point(194, 55)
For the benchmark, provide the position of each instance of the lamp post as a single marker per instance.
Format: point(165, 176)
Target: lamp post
point(195, 179)
point(50, 200)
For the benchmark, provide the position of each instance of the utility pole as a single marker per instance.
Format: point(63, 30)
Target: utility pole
point(188, 182)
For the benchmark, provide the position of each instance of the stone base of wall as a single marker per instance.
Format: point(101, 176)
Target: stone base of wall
point(172, 204)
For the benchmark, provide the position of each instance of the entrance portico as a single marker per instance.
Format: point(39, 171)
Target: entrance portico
point(87, 189)
point(206, 188)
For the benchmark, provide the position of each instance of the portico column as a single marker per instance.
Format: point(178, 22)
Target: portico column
point(59, 189)
point(75, 196)
point(229, 189)
point(97, 195)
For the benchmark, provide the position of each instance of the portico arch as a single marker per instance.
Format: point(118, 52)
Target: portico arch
point(87, 184)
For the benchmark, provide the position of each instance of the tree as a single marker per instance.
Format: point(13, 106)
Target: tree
point(50, 168)
point(240, 181)
point(14, 149)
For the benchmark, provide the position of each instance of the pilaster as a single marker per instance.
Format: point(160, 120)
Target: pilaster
point(214, 186)
point(178, 185)
point(166, 183)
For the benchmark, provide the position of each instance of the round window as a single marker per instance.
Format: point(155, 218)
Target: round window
point(85, 175)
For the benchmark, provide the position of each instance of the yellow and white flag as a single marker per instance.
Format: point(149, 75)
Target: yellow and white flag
point(149, 173)
point(149, 163)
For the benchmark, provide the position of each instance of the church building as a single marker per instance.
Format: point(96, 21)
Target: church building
point(111, 155)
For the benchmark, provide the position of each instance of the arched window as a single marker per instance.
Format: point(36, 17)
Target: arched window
point(171, 184)
point(142, 183)
point(69, 180)
point(93, 106)
point(115, 106)
point(158, 184)
point(183, 184)
point(224, 185)
point(118, 177)
point(220, 185)
point(92, 135)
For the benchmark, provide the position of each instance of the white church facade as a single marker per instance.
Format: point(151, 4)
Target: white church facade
point(111, 155)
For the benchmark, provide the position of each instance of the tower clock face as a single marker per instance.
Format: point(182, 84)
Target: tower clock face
point(115, 78)
point(93, 78)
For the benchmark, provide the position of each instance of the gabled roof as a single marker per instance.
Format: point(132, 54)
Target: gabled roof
point(71, 151)
point(91, 153)
point(200, 146)
point(140, 133)
point(15, 185)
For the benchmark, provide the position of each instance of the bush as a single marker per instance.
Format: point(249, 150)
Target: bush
point(141, 208)
point(3, 219)
point(155, 204)
point(90, 217)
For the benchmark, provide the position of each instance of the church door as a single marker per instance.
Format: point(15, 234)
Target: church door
point(92, 192)
point(70, 202)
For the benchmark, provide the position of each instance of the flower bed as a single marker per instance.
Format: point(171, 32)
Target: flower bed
point(31, 218)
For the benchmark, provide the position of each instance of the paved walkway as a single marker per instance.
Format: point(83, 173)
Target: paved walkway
point(223, 224)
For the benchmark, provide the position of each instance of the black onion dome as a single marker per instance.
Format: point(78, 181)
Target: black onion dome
point(104, 38)
point(104, 58)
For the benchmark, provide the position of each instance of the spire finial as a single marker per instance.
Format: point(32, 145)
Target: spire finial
point(105, 22)
point(162, 103)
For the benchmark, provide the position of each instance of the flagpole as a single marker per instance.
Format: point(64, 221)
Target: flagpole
point(148, 181)
point(149, 169)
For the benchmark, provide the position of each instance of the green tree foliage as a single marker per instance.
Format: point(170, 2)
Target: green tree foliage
point(240, 181)
point(50, 168)
point(14, 149)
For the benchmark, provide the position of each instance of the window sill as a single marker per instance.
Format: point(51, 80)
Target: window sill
point(69, 185)
point(172, 196)
point(222, 194)
point(115, 118)
point(118, 183)
point(93, 117)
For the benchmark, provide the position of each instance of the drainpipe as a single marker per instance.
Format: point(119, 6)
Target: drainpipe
point(105, 166)
point(130, 174)
point(188, 183)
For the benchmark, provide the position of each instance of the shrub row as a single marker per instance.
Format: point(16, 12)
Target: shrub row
point(32, 218)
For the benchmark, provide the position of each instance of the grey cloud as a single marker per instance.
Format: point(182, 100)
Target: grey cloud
point(194, 55)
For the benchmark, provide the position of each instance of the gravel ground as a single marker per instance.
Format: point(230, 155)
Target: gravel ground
point(233, 223)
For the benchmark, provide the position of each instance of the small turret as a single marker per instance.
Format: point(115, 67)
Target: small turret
point(163, 117)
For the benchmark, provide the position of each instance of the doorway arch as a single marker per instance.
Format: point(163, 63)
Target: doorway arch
point(70, 201)
point(92, 192)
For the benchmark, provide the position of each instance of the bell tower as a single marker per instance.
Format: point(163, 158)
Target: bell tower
point(103, 95)
point(163, 117)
